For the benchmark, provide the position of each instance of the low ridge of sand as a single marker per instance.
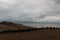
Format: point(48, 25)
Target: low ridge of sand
point(12, 26)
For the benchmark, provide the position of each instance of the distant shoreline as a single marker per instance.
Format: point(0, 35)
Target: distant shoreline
point(6, 26)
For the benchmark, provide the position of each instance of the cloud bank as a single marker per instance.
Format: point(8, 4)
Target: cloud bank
point(30, 10)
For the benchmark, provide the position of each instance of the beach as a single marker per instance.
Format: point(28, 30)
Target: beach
point(13, 31)
point(46, 34)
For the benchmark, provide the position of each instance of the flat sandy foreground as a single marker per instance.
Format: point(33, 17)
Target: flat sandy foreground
point(44, 34)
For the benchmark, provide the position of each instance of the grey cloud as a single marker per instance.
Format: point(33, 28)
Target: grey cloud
point(30, 10)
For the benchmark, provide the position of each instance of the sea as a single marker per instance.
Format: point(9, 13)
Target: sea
point(40, 25)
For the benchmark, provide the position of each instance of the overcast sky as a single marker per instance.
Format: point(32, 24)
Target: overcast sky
point(30, 10)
